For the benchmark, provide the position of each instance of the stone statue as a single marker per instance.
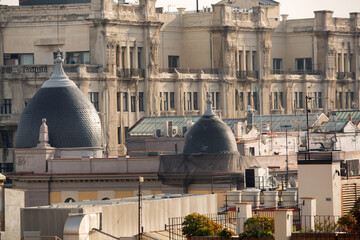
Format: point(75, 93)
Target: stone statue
point(43, 135)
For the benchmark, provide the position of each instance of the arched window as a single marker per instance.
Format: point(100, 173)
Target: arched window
point(105, 198)
point(69, 200)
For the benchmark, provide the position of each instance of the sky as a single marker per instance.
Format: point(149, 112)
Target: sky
point(295, 8)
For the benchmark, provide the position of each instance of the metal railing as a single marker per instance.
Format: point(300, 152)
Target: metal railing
point(42, 237)
point(174, 226)
point(295, 72)
point(190, 71)
point(345, 75)
point(244, 74)
point(128, 73)
point(47, 69)
point(302, 156)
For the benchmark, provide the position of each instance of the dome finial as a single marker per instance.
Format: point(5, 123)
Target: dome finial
point(58, 77)
point(209, 111)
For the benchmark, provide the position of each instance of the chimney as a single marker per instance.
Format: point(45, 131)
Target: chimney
point(350, 117)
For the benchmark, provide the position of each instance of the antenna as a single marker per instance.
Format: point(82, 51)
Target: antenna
point(57, 30)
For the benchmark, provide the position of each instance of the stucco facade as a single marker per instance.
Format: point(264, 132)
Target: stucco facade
point(133, 62)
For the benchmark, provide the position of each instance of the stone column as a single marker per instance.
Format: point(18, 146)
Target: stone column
point(283, 224)
point(308, 213)
point(342, 61)
point(243, 212)
point(127, 56)
point(243, 59)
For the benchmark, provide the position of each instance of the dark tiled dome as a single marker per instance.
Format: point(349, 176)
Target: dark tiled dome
point(209, 135)
point(71, 118)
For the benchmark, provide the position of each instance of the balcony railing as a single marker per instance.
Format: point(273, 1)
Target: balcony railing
point(46, 70)
point(345, 75)
point(12, 119)
point(295, 72)
point(128, 73)
point(244, 74)
point(312, 155)
point(190, 71)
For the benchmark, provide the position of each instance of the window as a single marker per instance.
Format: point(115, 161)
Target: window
point(213, 99)
point(217, 100)
point(118, 95)
point(252, 151)
point(132, 103)
point(253, 58)
point(5, 106)
point(303, 64)
point(240, 56)
point(94, 98)
point(139, 57)
point(241, 101)
point(195, 100)
point(126, 129)
point(351, 64)
point(125, 102)
point(298, 100)
point(236, 100)
point(119, 135)
point(77, 58)
point(18, 59)
point(131, 58)
point(160, 101)
point(123, 49)
point(141, 101)
point(4, 139)
point(117, 57)
point(69, 200)
point(172, 100)
point(255, 100)
point(277, 100)
point(188, 101)
point(340, 100)
point(55, 54)
point(347, 99)
point(166, 101)
point(277, 65)
point(173, 61)
point(316, 101)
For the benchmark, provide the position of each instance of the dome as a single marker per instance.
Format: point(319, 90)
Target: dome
point(209, 135)
point(71, 118)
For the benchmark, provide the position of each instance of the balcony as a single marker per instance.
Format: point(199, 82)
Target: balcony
point(44, 71)
point(130, 73)
point(245, 74)
point(190, 71)
point(295, 72)
point(9, 119)
point(345, 75)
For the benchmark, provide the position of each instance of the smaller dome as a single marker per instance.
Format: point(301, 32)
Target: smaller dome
point(72, 120)
point(209, 135)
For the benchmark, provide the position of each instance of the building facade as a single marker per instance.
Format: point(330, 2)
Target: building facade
point(134, 61)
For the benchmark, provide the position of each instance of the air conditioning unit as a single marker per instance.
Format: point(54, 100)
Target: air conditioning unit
point(167, 128)
point(174, 131)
